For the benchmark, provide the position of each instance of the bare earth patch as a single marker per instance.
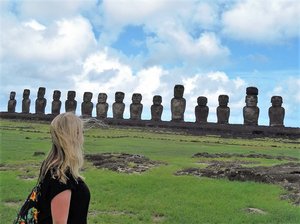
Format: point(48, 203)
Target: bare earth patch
point(255, 211)
point(12, 204)
point(122, 162)
point(286, 175)
point(158, 217)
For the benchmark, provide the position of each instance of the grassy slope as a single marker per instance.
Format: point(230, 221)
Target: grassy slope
point(156, 196)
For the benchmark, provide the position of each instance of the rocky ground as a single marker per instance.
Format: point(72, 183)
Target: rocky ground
point(286, 175)
point(122, 162)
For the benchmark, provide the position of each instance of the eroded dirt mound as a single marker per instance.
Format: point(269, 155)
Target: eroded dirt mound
point(122, 162)
point(287, 175)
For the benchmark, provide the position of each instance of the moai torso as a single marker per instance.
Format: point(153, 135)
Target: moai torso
point(156, 108)
point(118, 105)
point(11, 106)
point(26, 101)
point(71, 103)
point(251, 111)
point(223, 111)
point(201, 111)
point(87, 105)
point(178, 104)
point(276, 112)
point(56, 103)
point(102, 106)
point(136, 108)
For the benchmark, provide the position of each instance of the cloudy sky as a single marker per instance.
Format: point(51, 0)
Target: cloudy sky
point(141, 46)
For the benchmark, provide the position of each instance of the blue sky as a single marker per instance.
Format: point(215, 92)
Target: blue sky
point(140, 46)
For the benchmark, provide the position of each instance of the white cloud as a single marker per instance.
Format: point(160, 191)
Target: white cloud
point(137, 11)
point(239, 82)
point(52, 10)
point(173, 45)
point(267, 21)
point(33, 24)
point(61, 41)
point(174, 30)
point(205, 15)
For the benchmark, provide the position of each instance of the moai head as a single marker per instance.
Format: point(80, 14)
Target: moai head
point(178, 91)
point(251, 98)
point(41, 92)
point(12, 95)
point(223, 100)
point(102, 97)
point(56, 95)
point(252, 91)
point(136, 98)
point(157, 100)
point(71, 95)
point(276, 101)
point(87, 96)
point(119, 97)
point(26, 93)
point(202, 101)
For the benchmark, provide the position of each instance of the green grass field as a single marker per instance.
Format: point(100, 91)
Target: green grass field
point(157, 195)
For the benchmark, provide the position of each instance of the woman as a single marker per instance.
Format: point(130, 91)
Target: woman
point(64, 195)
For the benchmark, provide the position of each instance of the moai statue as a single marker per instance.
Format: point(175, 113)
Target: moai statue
point(276, 112)
point(118, 105)
point(136, 108)
point(56, 103)
point(223, 111)
point(178, 104)
point(71, 103)
point(201, 111)
point(40, 103)
point(102, 106)
point(87, 105)
point(26, 101)
point(11, 106)
point(251, 111)
point(156, 108)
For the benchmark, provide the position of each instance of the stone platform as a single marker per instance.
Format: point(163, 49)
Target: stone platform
point(223, 130)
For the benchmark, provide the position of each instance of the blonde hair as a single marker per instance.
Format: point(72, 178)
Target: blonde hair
point(66, 154)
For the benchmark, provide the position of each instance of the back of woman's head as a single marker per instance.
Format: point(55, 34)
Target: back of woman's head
point(67, 131)
point(67, 140)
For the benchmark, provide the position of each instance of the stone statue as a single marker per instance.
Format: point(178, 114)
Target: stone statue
point(118, 105)
point(276, 112)
point(201, 111)
point(11, 106)
point(102, 106)
point(223, 111)
point(156, 108)
point(251, 111)
point(87, 105)
point(26, 101)
point(40, 103)
point(71, 103)
point(178, 104)
point(56, 103)
point(136, 108)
